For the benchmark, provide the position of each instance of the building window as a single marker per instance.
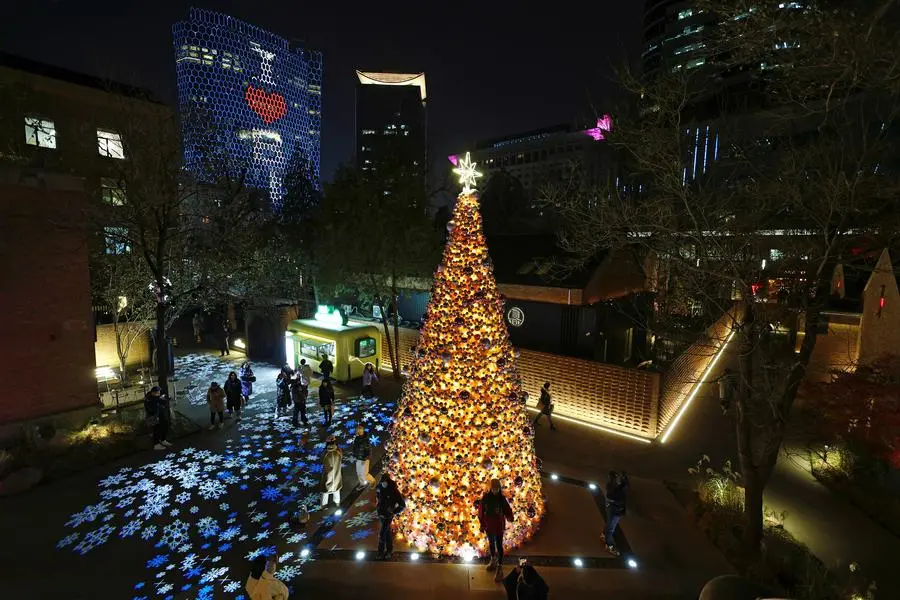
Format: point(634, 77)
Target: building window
point(112, 191)
point(40, 132)
point(115, 240)
point(684, 14)
point(109, 143)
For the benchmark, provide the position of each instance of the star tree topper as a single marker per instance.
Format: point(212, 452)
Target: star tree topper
point(467, 174)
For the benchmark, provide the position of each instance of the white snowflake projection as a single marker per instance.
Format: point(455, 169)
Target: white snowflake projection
point(211, 489)
point(208, 527)
point(361, 519)
point(88, 514)
point(174, 534)
point(205, 510)
point(94, 538)
point(130, 528)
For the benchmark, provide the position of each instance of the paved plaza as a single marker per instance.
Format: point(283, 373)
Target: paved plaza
point(184, 523)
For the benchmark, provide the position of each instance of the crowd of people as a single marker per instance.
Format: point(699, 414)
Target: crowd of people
point(493, 508)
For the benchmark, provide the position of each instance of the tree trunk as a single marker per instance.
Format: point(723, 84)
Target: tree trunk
point(387, 336)
point(399, 368)
point(162, 348)
point(121, 351)
point(754, 484)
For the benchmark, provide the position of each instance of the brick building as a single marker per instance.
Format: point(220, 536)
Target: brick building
point(45, 300)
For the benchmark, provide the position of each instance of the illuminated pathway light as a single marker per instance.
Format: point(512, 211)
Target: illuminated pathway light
point(696, 388)
point(414, 556)
point(593, 486)
point(554, 476)
point(577, 562)
point(304, 553)
point(360, 555)
point(338, 512)
point(632, 437)
point(632, 563)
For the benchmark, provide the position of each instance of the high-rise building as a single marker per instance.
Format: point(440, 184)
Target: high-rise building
point(249, 93)
point(674, 35)
point(390, 118)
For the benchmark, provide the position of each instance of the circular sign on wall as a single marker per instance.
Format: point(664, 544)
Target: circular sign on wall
point(515, 316)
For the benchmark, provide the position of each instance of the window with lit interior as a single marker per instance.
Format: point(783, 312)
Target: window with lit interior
point(112, 191)
point(109, 143)
point(40, 132)
point(365, 347)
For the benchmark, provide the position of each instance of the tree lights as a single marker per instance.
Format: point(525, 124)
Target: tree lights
point(462, 420)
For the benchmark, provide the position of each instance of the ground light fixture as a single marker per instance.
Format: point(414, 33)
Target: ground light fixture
point(578, 562)
point(360, 555)
point(631, 563)
point(338, 512)
point(467, 555)
point(554, 476)
point(593, 486)
point(304, 553)
point(414, 556)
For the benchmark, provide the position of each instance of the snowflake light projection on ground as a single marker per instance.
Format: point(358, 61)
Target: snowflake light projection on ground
point(202, 369)
point(205, 513)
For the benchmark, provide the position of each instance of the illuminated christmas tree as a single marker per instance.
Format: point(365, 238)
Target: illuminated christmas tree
point(461, 420)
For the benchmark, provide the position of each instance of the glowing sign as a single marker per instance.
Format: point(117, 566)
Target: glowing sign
point(515, 316)
point(328, 314)
point(604, 124)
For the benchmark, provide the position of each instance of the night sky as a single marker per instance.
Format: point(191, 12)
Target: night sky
point(490, 70)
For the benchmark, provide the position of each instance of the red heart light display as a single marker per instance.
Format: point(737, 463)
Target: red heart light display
point(270, 107)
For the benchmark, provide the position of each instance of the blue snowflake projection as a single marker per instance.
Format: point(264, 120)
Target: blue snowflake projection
point(205, 512)
point(362, 534)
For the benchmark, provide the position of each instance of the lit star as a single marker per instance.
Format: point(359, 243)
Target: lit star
point(467, 174)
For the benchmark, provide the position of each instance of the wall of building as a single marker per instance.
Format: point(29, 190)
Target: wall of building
point(105, 352)
point(265, 329)
point(837, 347)
point(45, 298)
point(879, 328)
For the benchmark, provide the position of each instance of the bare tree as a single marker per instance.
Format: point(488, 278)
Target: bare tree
point(801, 105)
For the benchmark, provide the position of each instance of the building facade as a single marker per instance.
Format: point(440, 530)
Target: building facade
point(391, 119)
point(252, 95)
point(536, 157)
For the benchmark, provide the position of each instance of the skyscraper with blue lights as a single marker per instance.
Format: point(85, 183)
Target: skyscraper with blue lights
point(249, 93)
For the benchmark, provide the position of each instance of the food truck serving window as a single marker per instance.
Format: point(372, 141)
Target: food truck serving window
point(315, 349)
point(365, 347)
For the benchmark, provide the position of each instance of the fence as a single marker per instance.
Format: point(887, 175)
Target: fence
point(686, 370)
point(596, 393)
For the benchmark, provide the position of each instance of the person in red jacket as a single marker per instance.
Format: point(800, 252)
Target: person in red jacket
point(493, 513)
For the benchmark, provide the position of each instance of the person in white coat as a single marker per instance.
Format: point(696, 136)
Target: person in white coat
point(262, 583)
point(332, 480)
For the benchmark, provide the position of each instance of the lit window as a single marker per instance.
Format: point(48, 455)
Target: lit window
point(368, 132)
point(40, 133)
point(694, 63)
point(690, 48)
point(109, 143)
point(115, 240)
point(684, 14)
point(775, 254)
point(112, 191)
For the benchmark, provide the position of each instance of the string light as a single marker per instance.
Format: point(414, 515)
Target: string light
point(461, 419)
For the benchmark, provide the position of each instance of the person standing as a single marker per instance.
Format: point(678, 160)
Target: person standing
point(493, 513)
point(299, 395)
point(262, 583)
point(545, 405)
point(326, 401)
point(224, 340)
point(332, 479)
point(282, 392)
point(233, 395)
point(306, 373)
point(727, 383)
point(247, 381)
point(156, 411)
point(215, 398)
point(369, 379)
point(389, 502)
point(362, 451)
point(616, 492)
point(197, 322)
point(326, 368)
